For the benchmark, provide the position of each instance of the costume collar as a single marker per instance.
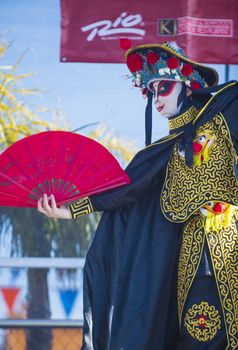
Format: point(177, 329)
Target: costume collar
point(177, 123)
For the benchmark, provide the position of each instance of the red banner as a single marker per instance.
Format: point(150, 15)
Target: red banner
point(206, 30)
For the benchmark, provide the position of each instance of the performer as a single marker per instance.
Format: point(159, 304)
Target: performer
point(162, 270)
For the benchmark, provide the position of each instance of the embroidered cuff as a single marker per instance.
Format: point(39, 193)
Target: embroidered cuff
point(80, 208)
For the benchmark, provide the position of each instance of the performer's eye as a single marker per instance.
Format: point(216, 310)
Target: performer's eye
point(202, 138)
point(162, 83)
point(210, 204)
point(165, 87)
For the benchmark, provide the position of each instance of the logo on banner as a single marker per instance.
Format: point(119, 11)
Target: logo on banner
point(195, 26)
point(168, 26)
point(123, 25)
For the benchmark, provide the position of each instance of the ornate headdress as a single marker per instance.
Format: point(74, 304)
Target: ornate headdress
point(167, 61)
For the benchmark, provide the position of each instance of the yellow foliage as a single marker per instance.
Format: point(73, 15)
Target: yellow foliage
point(122, 149)
point(16, 118)
point(2, 48)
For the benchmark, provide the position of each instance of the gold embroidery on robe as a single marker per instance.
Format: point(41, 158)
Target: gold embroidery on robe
point(202, 321)
point(223, 247)
point(189, 258)
point(182, 119)
point(187, 189)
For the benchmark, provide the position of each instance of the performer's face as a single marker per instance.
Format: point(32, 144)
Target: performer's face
point(166, 93)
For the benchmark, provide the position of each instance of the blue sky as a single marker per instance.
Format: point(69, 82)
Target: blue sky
point(84, 92)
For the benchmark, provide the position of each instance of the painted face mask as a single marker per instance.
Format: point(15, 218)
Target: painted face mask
point(166, 95)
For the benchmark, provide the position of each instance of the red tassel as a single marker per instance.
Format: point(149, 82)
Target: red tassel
point(125, 43)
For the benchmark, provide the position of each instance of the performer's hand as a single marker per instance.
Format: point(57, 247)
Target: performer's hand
point(47, 205)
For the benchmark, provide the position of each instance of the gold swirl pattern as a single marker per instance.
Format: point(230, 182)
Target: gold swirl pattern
point(223, 246)
point(202, 321)
point(187, 189)
point(183, 119)
point(189, 258)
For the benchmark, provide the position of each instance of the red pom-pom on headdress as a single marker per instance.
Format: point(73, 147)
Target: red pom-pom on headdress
point(195, 85)
point(125, 43)
point(134, 62)
point(187, 69)
point(152, 57)
point(173, 62)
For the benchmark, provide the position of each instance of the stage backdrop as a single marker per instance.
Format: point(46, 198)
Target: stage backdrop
point(91, 29)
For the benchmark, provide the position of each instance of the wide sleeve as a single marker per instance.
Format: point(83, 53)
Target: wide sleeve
point(146, 170)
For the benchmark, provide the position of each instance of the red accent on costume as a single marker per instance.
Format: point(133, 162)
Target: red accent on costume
point(202, 321)
point(219, 208)
point(197, 147)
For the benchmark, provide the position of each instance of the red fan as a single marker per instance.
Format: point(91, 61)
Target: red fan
point(62, 163)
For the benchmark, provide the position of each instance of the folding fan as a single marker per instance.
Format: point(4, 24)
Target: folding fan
point(68, 165)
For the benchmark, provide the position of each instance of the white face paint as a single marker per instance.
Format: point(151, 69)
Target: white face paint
point(166, 93)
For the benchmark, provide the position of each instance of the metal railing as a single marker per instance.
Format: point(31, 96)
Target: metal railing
point(38, 263)
point(41, 334)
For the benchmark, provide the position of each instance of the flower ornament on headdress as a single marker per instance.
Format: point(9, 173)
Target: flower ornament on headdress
point(166, 61)
point(135, 63)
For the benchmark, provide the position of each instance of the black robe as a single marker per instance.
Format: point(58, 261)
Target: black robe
point(130, 274)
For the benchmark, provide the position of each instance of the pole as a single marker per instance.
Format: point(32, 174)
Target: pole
point(227, 72)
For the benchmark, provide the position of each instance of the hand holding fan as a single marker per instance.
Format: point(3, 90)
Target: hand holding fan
point(68, 165)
